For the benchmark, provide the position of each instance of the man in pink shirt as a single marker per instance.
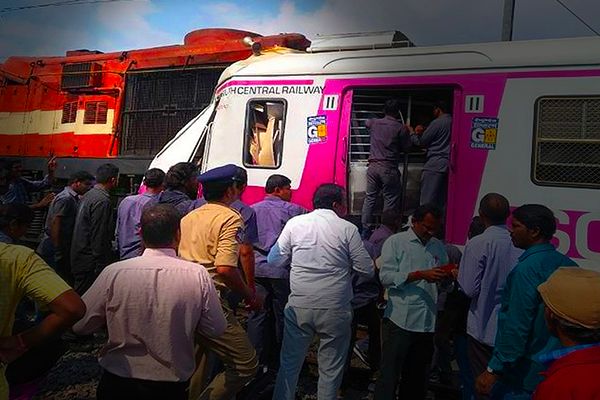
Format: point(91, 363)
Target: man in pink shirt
point(152, 306)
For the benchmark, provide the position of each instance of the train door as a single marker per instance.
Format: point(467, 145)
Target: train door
point(416, 109)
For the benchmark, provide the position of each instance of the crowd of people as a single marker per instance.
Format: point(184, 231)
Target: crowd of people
point(167, 276)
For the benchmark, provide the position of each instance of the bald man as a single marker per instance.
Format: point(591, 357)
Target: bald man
point(487, 260)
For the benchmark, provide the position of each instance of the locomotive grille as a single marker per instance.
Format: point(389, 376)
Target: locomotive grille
point(159, 103)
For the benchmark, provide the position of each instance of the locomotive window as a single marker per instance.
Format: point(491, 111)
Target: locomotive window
point(263, 135)
point(69, 112)
point(566, 147)
point(95, 112)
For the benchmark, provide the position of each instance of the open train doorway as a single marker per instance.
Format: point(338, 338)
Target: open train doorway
point(416, 108)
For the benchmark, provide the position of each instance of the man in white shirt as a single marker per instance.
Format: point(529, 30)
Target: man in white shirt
point(152, 305)
point(323, 249)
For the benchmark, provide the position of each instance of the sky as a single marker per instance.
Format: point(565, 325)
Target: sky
point(131, 24)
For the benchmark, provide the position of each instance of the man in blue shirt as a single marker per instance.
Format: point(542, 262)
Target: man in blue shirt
point(486, 262)
point(409, 271)
point(19, 187)
point(522, 332)
point(272, 281)
point(129, 214)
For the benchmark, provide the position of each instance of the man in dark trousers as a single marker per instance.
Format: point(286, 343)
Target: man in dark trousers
point(211, 236)
point(272, 281)
point(522, 335)
point(436, 138)
point(389, 138)
point(91, 249)
point(55, 247)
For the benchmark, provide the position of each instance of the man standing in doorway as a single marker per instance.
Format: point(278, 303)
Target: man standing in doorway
point(389, 139)
point(436, 138)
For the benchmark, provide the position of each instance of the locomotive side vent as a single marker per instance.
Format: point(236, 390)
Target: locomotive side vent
point(81, 76)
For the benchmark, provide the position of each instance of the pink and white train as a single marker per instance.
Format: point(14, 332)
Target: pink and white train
point(526, 123)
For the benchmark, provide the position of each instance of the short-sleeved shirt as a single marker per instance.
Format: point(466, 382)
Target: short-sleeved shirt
point(250, 229)
point(23, 273)
point(211, 235)
point(65, 206)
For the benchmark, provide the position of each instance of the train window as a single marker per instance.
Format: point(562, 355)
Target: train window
point(567, 142)
point(95, 112)
point(69, 112)
point(263, 136)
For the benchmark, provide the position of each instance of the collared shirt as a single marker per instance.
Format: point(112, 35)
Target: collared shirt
point(65, 206)
point(323, 248)
point(389, 138)
point(23, 273)
point(378, 237)
point(181, 201)
point(271, 216)
point(522, 332)
point(91, 249)
point(250, 229)
point(210, 235)
point(411, 305)
point(437, 140)
point(18, 191)
point(129, 216)
point(487, 260)
point(152, 306)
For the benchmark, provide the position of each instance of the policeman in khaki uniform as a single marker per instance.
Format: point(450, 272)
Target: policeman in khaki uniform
point(210, 235)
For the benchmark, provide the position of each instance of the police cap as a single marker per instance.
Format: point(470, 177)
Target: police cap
point(225, 173)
